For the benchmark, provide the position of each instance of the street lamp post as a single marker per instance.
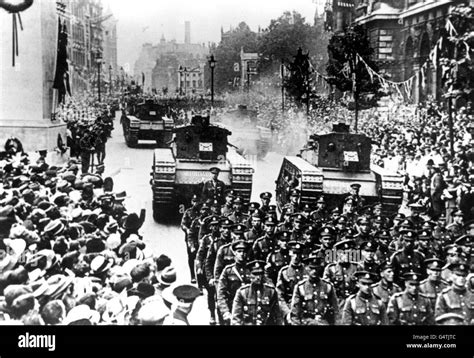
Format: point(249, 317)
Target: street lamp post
point(99, 65)
point(110, 79)
point(212, 65)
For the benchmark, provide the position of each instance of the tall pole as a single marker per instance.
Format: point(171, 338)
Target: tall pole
point(282, 86)
point(98, 80)
point(185, 82)
point(248, 77)
point(451, 134)
point(110, 80)
point(212, 86)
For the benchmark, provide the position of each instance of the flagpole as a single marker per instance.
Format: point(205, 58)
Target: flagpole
point(282, 86)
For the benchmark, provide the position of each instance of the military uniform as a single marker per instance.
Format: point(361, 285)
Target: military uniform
point(252, 235)
point(239, 218)
point(287, 279)
point(210, 261)
point(227, 210)
point(453, 300)
point(384, 290)
point(342, 277)
point(213, 190)
point(313, 303)
point(276, 260)
point(231, 279)
point(256, 304)
point(361, 310)
point(405, 309)
point(431, 289)
point(455, 230)
point(263, 246)
point(224, 257)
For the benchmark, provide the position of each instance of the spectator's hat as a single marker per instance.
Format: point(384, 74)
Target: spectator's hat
point(215, 170)
point(167, 277)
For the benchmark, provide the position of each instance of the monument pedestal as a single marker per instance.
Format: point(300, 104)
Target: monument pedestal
point(26, 90)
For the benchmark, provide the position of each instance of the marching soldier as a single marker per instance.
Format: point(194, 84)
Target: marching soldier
point(383, 252)
point(192, 239)
point(456, 298)
point(327, 237)
point(407, 259)
point(456, 229)
point(213, 189)
point(320, 212)
point(225, 254)
point(277, 258)
point(415, 218)
point(427, 246)
point(363, 229)
point(237, 215)
point(255, 231)
point(294, 204)
point(386, 288)
point(189, 216)
point(309, 241)
point(201, 255)
point(298, 222)
point(410, 307)
point(369, 263)
point(224, 239)
point(288, 277)
point(256, 303)
point(364, 308)
point(341, 272)
point(433, 284)
point(285, 222)
point(265, 198)
point(358, 201)
point(314, 299)
point(267, 243)
point(231, 279)
point(228, 207)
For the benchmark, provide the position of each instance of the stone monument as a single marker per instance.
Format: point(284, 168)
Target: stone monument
point(26, 90)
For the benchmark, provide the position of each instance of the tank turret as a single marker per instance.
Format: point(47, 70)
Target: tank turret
point(330, 163)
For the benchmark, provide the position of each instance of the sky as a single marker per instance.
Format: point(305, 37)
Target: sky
point(141, 21)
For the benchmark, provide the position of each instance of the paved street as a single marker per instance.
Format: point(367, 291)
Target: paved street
point(130, 169)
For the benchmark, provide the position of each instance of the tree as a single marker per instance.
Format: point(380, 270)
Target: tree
point(228, 53)
point(347, 73)
point(456, 56)
point(456, 60)
point(298, 83)
point(280, 39)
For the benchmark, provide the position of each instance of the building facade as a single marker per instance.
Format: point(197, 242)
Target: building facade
point(403, 33)
point(159, 65)
point(84, 20)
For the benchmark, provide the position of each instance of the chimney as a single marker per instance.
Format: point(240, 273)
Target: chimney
point(187, 32)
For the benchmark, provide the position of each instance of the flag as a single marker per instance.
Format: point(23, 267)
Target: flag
point(143, 79)
point(61, 77)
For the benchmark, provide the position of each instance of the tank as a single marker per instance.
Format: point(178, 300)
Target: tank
point(179, 171)
point(147, 121)
point(251, 138)
point(329, 164)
